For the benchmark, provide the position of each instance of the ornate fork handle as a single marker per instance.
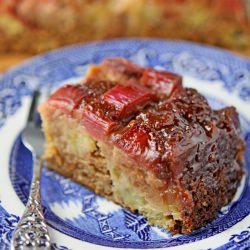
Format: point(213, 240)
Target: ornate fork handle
point(31, 231)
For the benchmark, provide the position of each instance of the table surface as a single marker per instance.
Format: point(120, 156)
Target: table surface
point(9, 60)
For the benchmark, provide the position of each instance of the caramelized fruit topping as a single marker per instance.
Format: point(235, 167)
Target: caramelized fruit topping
point(162, 82)
point(68, 97)
point(128, 99)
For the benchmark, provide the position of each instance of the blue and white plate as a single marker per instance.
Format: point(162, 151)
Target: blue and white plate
point(79, 219)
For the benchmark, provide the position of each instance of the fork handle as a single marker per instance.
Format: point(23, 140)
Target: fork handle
point(31, 231)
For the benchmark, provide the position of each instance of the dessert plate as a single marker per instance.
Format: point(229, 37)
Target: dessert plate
point(79, 219)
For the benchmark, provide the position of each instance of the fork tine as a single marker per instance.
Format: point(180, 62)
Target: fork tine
point(33, 106)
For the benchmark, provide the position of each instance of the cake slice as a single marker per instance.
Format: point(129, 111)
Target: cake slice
point(139, 138)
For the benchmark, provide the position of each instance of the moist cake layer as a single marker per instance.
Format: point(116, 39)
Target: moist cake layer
point(138, 137)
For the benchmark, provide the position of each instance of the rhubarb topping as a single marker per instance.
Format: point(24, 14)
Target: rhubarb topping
point(128, 99)
point(96, 123)
point(134, 140)
point(161, 82)
point(68, 97)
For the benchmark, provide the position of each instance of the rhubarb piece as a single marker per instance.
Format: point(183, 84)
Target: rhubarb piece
point(68, 97)
point(114, 69)
point(160, 81)
point(138, 137)
point(128, 99)
point(134, 140)
point(96, 123)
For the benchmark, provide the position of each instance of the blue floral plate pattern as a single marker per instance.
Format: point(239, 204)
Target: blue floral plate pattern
point(79, 219)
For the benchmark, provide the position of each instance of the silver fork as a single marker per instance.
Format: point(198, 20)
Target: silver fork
point(31, 231)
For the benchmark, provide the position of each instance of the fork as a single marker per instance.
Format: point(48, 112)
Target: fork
point(31, 231)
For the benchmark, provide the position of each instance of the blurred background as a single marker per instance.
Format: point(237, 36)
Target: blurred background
point(30, 27)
